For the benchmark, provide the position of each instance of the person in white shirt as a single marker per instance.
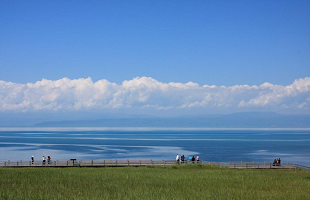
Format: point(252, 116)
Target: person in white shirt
point(177, 158)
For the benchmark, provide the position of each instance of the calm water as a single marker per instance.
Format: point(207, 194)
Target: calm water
point(222, 145)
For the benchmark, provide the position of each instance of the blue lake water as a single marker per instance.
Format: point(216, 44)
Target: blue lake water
point(223, 145)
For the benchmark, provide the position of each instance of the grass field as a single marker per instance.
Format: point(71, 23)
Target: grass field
point(169, 182)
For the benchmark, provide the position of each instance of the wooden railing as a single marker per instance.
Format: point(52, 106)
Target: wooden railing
point(115, 163)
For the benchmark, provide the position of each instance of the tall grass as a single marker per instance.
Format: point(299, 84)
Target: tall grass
point(169, 182)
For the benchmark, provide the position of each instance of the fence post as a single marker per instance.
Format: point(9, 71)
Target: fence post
point(229, 164)
point(4, 163)
point(116, 162)
point(288, 164)
point(92, 162)
point(151, 162)
point(29, 163)
point(246, 165)
point(253, 164)
point(234, 165)
point(54, 163)
point(241, 164)
point(257, 165)
point(269, 165)
point(17, 163)
point(128, 162)
point(104, 162)
point(9, 162)
point(67, 162)
point(265, 164)
point(140, 162)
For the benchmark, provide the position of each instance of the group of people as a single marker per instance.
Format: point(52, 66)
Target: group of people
point(277, 162)
point(48, 159)
point(44, 160)
point(191, 158)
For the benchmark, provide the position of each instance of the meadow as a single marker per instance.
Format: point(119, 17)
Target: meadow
point(154, 182)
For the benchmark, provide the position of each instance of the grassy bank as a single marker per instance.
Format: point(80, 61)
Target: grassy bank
point(170, 182)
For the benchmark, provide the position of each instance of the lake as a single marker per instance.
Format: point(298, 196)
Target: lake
point(222, 145)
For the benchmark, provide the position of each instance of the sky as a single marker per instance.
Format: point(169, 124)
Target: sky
point(155, 56)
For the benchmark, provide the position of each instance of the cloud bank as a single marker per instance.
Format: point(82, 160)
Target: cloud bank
point(146, 92)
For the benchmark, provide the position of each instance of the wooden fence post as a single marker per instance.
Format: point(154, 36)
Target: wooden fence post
point(265, 164)
point(246, 165)
point(116, 162)
point(17, 163)
point(104, 162)
point(269, 165)
point(128, 162)
point(241, 164)
point(4, 163)
point(140, 162)
point(151, 162)
point(29, 163)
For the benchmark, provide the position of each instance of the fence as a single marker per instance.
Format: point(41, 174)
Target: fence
point(253, 164)
point(115, 163)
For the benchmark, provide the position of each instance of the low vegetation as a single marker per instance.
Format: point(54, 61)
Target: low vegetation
point(166, 182)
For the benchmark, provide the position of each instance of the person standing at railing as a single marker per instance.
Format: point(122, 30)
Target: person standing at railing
point(177, 158)
point(32, 160)
point(48, 159)
point(43, 160)
point(182, 158)
point(197, 159)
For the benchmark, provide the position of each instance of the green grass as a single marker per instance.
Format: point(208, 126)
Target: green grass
point(169, 182)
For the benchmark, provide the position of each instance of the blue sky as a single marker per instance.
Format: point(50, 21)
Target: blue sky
point(155, 56)
point(206, 42)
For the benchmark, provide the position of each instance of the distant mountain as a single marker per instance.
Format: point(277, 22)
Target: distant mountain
point(234, 120)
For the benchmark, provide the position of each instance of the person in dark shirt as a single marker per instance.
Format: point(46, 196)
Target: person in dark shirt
point(193, 159)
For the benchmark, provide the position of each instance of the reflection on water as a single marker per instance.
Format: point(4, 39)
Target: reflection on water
point(148, 143)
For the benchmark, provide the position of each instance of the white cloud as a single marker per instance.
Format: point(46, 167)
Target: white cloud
point(146, 92)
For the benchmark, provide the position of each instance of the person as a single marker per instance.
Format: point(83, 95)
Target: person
point(197, 159)
point(193, 159)
point(279, 161)
point(177, 158)
point(43, 160)
point(182, 158)
point(274, 162)
point(48, 159)
point(32, 160)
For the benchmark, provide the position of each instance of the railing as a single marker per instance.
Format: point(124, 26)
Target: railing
point(257, 165)
point(86, 163)
point(115, 163)
point(301, 166)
